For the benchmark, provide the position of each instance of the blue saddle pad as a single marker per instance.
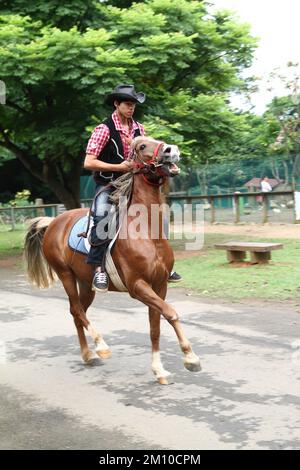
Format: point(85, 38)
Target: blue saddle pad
point(80, 244)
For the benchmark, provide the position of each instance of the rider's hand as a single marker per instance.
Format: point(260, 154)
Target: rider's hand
point(125, 166)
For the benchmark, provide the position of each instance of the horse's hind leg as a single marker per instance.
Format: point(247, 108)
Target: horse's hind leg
point(69, 282)
point(86, 297)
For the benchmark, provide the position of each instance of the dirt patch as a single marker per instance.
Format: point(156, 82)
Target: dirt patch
point(9, 262)
point(182, 254)
point(288, 305)
point(264, 231)
point(250, 230)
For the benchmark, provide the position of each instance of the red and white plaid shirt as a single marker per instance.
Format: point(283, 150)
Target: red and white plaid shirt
point(100, 136)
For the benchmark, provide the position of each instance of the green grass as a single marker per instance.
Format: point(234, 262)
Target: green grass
point(212, 276)
point(11, 242)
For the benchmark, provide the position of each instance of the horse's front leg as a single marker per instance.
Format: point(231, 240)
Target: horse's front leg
point(157, 368)
point(143, 292)
point(191, 360)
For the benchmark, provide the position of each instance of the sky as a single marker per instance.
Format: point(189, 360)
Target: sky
point(276, 23)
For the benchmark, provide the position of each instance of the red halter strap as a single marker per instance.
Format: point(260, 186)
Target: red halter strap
point(155, 153)
point(141, 165)
point(157, 149)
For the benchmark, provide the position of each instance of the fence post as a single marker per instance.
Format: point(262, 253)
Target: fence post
point(12, 215)
point(265, 208)
point(212, 210)
point(296, 196)
point(237, 208)
point(40, 211)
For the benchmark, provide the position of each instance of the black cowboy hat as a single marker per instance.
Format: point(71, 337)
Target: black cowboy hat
point(125, 92)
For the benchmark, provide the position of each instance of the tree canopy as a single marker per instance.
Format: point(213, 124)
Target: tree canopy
point(59, 60)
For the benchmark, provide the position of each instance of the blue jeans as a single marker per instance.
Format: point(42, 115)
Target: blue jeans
point(100, 209)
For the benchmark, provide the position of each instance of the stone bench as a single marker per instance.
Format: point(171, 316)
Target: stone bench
point(260, 252)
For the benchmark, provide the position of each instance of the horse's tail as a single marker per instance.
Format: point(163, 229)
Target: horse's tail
point(39, 271)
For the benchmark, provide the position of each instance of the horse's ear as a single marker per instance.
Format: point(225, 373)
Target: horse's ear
point(132, 148)
point(134, 143)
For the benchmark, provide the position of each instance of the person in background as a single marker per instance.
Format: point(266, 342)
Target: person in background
point(265, 185)
point(266, 188)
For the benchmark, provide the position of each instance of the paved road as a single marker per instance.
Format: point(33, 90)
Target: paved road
point(247, 395)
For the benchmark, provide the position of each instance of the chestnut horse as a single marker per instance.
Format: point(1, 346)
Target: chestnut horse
point(143, 265)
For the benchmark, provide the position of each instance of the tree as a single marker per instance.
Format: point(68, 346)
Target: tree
point(54, 80)
point(282, 122)
point(59, 60)
point(5, 156)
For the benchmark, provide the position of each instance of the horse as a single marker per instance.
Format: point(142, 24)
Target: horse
point(143, 265)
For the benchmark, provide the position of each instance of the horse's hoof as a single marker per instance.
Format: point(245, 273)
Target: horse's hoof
point(104, 353)
point(193, 366)
point(163, 381)
point(89, 357)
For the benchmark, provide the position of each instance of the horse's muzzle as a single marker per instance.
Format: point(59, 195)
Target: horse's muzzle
point(171, 153)
point(170, 157)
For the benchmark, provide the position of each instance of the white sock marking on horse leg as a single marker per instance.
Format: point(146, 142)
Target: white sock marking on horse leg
point(88, 355)
point(191, 358)
point(99, 341)
point(101, 345)
point(94, 334)
point(192, 362)
point(157, 367)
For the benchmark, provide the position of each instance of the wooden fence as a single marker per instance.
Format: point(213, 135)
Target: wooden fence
point(235, 197)
point(19, 214)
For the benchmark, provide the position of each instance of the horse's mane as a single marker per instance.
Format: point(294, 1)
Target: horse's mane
point(124, 183)
point(123, 186)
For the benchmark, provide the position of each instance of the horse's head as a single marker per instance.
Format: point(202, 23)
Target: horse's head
point(155, 156)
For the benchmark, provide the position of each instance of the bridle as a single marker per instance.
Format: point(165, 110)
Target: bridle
point(149, 167)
